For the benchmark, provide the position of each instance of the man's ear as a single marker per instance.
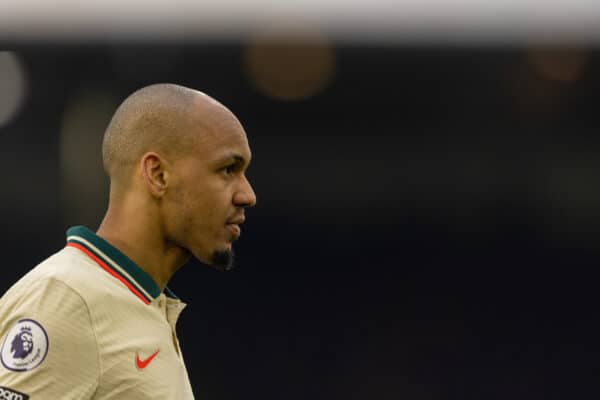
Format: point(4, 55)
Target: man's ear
point(155, 173)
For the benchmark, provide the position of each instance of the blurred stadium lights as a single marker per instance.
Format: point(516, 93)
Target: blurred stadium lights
point(289, 64)
point(354, 20)
point(82, 179)
point(13, 85)
point(559, 64)
point(545, 76)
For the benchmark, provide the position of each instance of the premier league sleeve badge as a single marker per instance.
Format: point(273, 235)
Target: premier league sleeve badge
point(25, 346)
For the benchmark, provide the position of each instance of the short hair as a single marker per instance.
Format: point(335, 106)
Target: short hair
point(151, 119)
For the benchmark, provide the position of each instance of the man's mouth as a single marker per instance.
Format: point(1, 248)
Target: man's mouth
point(234, 225)
point(234, 229)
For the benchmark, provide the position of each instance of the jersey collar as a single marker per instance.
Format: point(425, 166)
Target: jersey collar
point(115, 263)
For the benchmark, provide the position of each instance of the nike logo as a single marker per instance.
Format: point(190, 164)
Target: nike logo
point(141, 364)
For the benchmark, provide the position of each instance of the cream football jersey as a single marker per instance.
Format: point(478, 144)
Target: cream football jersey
point(88, 323)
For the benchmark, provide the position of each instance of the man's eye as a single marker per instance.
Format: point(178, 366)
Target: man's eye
point(230, 169)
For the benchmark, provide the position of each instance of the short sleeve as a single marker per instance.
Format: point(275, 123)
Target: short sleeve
point(49, 349)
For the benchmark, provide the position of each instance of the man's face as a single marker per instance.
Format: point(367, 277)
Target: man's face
point(209, 192)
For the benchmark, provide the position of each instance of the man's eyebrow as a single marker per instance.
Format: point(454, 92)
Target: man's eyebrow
point(239, 159)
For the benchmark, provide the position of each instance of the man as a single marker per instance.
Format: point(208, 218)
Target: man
point(96, 320)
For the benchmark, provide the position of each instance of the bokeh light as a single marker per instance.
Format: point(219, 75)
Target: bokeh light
point(558, 64)
point(546, 75)
point(290, 65)
point(12, 86)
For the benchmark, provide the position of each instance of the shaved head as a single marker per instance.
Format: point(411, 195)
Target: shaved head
point(176, 159)
point(155, 118)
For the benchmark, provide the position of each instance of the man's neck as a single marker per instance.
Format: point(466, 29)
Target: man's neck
point(144, 245)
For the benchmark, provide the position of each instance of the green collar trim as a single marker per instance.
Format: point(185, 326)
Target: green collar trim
point(115, 263)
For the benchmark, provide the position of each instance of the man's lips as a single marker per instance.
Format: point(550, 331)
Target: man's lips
point(234, 225)
point(237, 221)
point(235, 229)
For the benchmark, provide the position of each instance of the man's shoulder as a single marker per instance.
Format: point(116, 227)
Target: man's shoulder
point(67, 265)
point(65, 270)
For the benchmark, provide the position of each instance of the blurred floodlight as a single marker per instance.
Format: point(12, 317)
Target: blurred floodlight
point(290, 65)
point(559, 64)
point(12, 86)
point(354, 20)
point(541, 82)
point(84, 185)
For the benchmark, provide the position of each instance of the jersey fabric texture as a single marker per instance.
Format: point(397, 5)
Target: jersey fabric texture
point(88, 323)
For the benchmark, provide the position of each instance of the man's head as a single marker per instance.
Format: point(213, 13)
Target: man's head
point(182, 156)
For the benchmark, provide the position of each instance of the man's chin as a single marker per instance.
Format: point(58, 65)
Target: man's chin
point(223, 260)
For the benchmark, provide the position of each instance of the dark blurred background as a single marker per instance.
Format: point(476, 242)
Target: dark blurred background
point(428, 212)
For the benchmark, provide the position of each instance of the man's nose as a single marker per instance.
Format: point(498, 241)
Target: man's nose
point(245, 196)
